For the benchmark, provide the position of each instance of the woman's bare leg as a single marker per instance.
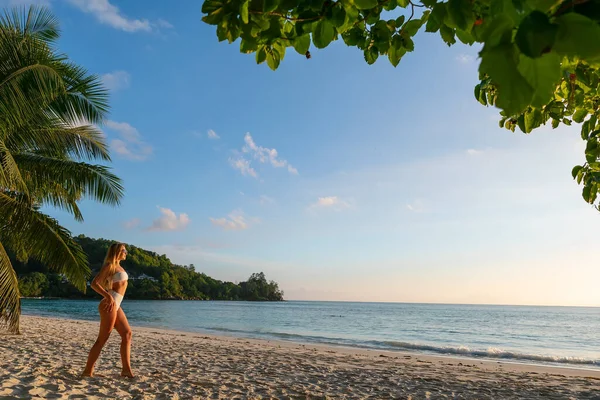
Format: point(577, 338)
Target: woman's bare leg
point(107, 323)
point(122, 326)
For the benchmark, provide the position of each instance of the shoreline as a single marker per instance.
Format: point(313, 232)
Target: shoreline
point(519, 363)
point(46, 360)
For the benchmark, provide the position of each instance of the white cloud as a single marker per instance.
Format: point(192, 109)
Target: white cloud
point(235, 221)
point(265, 200)
point(116, 80)
point(262, 154)
point(330, 202)
point(161, 23)
point(108, 14)
point(212, 135)
point(132, 223)
point(465, 58)
point(416, 206)
point(169, 221)
point(131, 145)
point(474, 152)
point(243, 166)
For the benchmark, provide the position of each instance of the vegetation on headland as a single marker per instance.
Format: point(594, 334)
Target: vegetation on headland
point(539, 59)
point(151, 276)
point(50, 108)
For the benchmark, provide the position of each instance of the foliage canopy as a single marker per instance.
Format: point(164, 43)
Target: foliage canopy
point(540, 59)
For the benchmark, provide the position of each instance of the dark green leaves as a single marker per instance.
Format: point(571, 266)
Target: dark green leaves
point(371, 55)
point(436, 19)
point(543, 74)
point(323, 34)
point(244, 11)
point(396, 50)
point(270, 5)
point(460, 15)
point(337, 16)
point(302, 44)
point(365, 4)
point(578, 36)
point(500, 63)
point(447, 35)
point(536, 34)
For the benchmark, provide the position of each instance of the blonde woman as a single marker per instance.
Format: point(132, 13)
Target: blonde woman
point(111, 283)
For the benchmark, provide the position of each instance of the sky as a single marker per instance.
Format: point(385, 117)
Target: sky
point(339, 180)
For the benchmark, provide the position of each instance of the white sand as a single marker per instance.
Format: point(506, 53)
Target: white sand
point(46, 360)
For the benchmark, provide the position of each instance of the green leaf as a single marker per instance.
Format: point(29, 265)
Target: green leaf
point(536, 34)
point(447, 35)
point(412, 27)
point(543, 74)
point(338, 16)
point(504, 9)
point(400, 20)
point(323, 34)
point(261, 55)
point(365, 4)
point(396, 50)
point(407, 42)
point(436, 18)
point(497, 31)
point(578, 36)
point(514, 92)
point(460, 13)
point(244, 11)
point(544, 5)
point(403, 3)
point(353, 36)
point(580, 115)
point(587, 193)
point(302, 44)
point(555, 123)
point(533, 119)
point(270, 5)
point(315, 5)
point(248, 45)
point(480, 95)
point(465, 37)
point(371, 55)
point(576, 170)
point(274, 57)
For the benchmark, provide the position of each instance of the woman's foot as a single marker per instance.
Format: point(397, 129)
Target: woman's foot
point(127, 374)
point(87, 374)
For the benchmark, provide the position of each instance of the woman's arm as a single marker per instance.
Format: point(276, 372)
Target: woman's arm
point(98, 280)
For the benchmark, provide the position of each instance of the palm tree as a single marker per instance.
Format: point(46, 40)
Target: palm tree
point(49, 110)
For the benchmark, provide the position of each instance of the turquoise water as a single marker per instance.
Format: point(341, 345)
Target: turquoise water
point(561, 335)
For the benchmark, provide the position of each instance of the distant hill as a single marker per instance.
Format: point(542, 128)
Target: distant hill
point(152, 276)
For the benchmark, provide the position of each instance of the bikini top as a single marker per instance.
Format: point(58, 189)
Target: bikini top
point(120, 276)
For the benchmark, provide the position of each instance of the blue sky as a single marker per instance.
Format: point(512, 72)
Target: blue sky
point(339, 180)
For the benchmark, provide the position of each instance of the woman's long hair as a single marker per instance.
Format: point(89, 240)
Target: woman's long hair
point(112, 260)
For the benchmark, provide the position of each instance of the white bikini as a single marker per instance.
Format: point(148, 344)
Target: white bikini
point(118, 277)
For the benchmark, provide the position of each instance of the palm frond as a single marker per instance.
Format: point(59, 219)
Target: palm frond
point(10, 302)
point(92, 181)
point(86, 97)
point(10, 175)
point(50, 136)
point(42, 238)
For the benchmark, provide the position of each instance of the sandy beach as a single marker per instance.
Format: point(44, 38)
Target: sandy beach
point(46, 360)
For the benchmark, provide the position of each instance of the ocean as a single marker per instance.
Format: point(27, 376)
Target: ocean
point(545, 335)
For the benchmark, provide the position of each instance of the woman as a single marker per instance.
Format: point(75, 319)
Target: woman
point(111, 283)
